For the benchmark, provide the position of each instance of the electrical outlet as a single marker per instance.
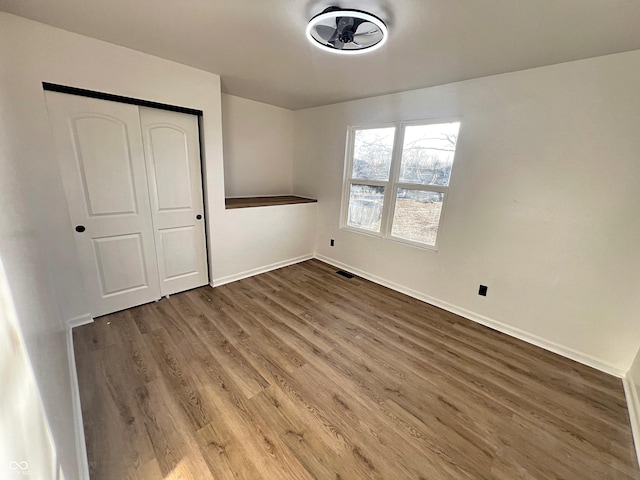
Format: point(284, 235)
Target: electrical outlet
point(332, 242)
point(483, 290)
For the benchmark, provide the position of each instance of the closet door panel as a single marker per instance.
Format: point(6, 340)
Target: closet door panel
point(169, 162)
point(180, 247)
point(113, 252)
point(101, 157)
point(104, 160)
point(172, 152)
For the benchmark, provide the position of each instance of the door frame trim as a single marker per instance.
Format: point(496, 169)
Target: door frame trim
point(81, 92)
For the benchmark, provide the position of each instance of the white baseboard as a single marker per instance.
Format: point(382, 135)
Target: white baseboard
point(633, 404)
point(81, 448)
point(216, 282)
point(79, 321)
point(486, 321)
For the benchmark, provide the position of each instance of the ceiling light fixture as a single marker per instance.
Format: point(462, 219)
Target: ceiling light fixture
point(346, 31)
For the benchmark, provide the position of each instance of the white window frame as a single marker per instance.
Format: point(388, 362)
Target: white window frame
point(391, 186)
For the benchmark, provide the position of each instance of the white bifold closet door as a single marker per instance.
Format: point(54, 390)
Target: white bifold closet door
point(134, 191)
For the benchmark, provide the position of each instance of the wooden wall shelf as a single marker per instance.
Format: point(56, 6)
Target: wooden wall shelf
point(249, 202)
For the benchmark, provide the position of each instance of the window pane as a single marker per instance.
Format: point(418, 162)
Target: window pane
point(427, 153)
point(417, 215)
point(372, 150)
point(365, 207)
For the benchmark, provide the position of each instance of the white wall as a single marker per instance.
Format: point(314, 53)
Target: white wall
point(258, 160)
point(29, 317)
point(543, 205)
point(264, 238)
point(258, 148)
point(36, 243)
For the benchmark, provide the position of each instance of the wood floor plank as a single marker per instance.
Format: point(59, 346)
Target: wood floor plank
point(262, 341)
point(440, 418)
point(512, 358)
point(300, 373)
point(320, 458)
point(178, 378)
point(244, 375)
point(145, 319)
point(391, 356)
point(136, 354)
point(506, 376)
point(252, 440)
point(119, 448)
point(224, 453)
point(376, 437)
point(168, 427)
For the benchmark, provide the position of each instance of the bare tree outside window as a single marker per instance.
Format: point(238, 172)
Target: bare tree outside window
point(372, 152)
point(427, 158)
point(427, 153)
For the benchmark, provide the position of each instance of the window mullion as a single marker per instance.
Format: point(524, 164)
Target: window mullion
point(376, 183)
point(420, 186)
point(348, 171)
point(390, 198)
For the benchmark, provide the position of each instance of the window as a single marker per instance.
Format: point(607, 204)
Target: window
point(396, 180)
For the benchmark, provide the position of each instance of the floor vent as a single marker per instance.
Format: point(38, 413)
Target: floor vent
point(345, 274)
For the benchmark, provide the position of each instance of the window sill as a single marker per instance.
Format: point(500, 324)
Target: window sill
point(251, 202)
point(391, 238)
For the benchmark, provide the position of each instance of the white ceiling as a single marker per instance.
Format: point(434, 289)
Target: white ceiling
point(259, 48)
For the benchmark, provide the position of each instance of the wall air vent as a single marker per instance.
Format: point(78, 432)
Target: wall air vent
point(345, 274)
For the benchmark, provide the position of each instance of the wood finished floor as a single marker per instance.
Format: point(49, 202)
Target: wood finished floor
point(303, 374)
